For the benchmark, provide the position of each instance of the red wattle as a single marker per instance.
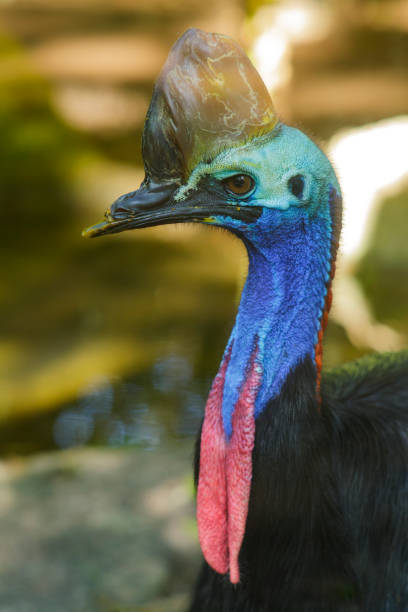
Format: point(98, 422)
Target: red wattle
point(224, 483)
point(239, 465)
point(212, 489)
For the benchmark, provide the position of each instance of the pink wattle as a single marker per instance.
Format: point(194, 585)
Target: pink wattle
point(239, 464)
point(212, 490)
point(226, 471)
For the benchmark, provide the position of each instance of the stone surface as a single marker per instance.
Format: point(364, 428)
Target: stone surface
point(97, 530)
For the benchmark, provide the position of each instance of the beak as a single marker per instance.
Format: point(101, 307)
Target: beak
point(154, 204)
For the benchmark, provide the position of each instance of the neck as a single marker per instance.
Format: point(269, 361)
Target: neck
point(281, 309)
point(279, 325)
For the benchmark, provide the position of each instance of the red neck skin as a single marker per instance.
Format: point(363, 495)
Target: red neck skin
point(226, 471)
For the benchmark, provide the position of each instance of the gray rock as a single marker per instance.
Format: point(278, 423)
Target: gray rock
point(97, 530)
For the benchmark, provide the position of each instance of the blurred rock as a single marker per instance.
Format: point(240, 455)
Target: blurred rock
point(94, 530)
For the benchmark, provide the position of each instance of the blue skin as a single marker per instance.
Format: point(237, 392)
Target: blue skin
point(289, 251)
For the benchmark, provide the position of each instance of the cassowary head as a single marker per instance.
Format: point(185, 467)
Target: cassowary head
point(215, 153)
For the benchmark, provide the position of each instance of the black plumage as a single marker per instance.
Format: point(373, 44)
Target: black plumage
point(327, 527)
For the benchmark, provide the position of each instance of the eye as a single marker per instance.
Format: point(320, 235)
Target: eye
point(239, 184)
point(296, 185)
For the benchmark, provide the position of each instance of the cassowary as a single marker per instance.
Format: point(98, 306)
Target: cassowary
point(302, 488)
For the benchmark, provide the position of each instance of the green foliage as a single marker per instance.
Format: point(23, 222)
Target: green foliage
point(35, 148)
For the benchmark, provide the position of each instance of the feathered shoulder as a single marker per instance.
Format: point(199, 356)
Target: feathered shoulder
point(376, 381)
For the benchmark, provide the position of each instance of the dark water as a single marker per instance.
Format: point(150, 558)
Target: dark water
point(149, 409)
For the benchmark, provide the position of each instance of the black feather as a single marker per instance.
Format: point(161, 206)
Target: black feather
point(327, 526)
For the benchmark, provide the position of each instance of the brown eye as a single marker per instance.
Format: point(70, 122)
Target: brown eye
point(239, 184)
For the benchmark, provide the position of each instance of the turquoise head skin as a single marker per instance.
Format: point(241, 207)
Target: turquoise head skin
point(272, 162)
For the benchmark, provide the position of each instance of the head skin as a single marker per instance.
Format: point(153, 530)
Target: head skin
point(272, 162)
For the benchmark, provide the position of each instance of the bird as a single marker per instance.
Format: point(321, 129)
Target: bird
point(301, 474)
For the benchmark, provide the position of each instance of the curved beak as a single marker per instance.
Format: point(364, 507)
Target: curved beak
point(154, 204)
point(141, 208)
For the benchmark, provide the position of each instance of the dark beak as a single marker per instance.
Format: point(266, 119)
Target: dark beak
point(154, 204)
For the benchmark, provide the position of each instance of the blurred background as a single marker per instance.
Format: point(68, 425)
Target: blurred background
point(108, 347)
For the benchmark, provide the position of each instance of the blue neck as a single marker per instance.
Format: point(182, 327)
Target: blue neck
point(281, 304)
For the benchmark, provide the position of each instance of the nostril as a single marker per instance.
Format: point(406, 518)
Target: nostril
point(119, 209)
point(122, 206)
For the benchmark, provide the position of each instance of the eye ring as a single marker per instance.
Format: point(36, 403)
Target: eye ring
point(239, 184)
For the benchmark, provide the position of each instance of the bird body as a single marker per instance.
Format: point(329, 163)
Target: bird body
point(301, 479)
point(327, 520)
